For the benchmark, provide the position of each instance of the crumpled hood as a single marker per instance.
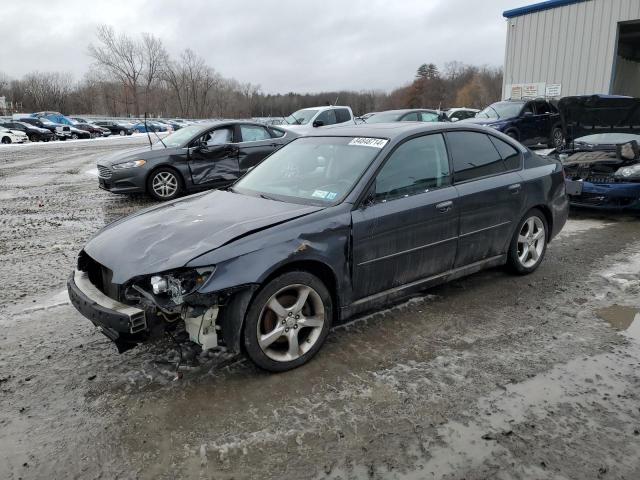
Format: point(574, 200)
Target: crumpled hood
point(167, 236)
point(590, 114)
point(145, 153)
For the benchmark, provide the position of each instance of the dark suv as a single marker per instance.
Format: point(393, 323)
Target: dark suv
point(530, 121)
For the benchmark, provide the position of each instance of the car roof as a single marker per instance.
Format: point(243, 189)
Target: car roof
point(407, 110)
point(393, 130)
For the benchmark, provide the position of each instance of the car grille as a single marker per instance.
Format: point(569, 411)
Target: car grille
point(104, 172)
point(602, 178)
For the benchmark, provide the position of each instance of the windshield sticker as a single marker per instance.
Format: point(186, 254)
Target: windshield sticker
point(369, 142)
point(331, 196)
point(319, 194)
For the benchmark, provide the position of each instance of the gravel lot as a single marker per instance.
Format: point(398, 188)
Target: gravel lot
point(492, 376)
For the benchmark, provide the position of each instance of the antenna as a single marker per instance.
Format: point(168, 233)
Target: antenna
point(336, 102)
point(146, 129)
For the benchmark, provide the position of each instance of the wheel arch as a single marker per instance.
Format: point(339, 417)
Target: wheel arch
point(546, 211)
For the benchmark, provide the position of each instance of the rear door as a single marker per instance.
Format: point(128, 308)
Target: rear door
point(528, 125)
point(490, 194)
point(255, 143)
point(543, 121)
point(408, 229)
point(213, 158)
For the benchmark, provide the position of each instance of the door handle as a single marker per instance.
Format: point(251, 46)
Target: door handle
point(444, 207)
point(515, 188)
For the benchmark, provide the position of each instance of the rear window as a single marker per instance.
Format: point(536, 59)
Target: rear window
point(342, 115)
point(509, 154)
point(473, 155)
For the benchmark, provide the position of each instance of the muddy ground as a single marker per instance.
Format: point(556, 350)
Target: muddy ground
point(491, 376)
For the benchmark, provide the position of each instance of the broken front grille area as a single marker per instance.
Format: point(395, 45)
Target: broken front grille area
point(99, 275)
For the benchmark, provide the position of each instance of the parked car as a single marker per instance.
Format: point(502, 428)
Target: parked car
point(35, 134)
point(407, 115)
point(194, 158)
point(307, 119)
point(94, 130)
point(77, 133)
point(12, 136)
point(529, 121)
point(335, 223)
point(461, 113)
point(116, 128)
point(602, 154)
point(150, 126)
point(61, 132)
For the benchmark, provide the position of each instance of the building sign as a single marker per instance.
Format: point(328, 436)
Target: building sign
point(527, 90)
point(516, 92)
point(553, 90)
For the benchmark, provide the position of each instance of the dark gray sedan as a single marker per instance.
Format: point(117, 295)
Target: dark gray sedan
point(194, 158)
point(335, 223)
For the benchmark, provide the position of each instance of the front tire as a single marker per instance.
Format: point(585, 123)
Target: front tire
point(74, 136)
point(6, 140)
point(122, 133)
point(529, 243)
point(164, 184)
point(288, 321)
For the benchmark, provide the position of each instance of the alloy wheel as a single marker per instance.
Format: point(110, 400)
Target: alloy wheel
point(290, 323)
point(558, 138)
point(164, 184)
point(531, 241)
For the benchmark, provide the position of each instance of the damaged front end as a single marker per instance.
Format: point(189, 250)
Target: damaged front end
point(605, 178)
point(147, 306)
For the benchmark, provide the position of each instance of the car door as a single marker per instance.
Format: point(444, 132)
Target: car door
point(490, 196)
point(407, 229)
point(543, 121)
point(528, 125)
point(325, 118)
point(255, 143)
point(213, 158)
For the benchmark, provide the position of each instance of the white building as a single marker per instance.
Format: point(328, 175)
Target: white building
point(573, 47)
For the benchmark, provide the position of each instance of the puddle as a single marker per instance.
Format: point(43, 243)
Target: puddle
point(623, 319)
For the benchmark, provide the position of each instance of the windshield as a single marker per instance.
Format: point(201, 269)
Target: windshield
point(181, 137)
point(312, 170)
point(608, 138)
point(501, 110)
point(384, 117)
point(301, 117)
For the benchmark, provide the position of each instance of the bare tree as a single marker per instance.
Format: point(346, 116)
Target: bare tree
point(122, 57)
point(49, 90)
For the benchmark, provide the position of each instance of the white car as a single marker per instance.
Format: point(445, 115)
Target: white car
point(455, 114)
point(316, 117)
point(12, 136)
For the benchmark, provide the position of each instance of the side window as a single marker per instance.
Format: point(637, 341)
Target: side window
point(276, 132)
point(416, 166)
point(410, 117)
point(342, 115)
point(328, 117)
point(429, 117)
point(528, 108)
point(473, 155)
point(218, 137)
point(542, 108)
point(254, 133)
point(510, 156)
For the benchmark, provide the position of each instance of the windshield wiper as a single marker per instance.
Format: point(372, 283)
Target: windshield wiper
point(267, 197)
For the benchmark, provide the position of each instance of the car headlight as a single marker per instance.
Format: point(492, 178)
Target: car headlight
point(131, 164)
point(180, 283)
point(497, 126)
point(628, 172)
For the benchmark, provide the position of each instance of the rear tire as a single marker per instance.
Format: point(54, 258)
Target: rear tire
point(557, 138)
point(529, 243)
point(287, 321)
point(122, 133)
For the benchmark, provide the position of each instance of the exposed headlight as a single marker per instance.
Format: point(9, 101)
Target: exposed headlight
point(178, 284)
point(131, 164)
point(628, 172)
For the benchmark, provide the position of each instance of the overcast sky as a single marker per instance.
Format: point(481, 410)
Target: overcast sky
point(283, 45)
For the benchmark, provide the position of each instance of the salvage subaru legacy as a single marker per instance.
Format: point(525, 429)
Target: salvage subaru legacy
point(334, 223)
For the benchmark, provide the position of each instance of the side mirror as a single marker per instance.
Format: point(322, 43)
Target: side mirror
point(527, 114)
point(318, 123)
point(370, 199)
point(454, 119)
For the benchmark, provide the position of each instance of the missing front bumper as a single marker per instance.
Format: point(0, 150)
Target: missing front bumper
point(125, 325)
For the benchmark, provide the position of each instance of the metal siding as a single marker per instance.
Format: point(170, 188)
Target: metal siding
point(573, 45)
